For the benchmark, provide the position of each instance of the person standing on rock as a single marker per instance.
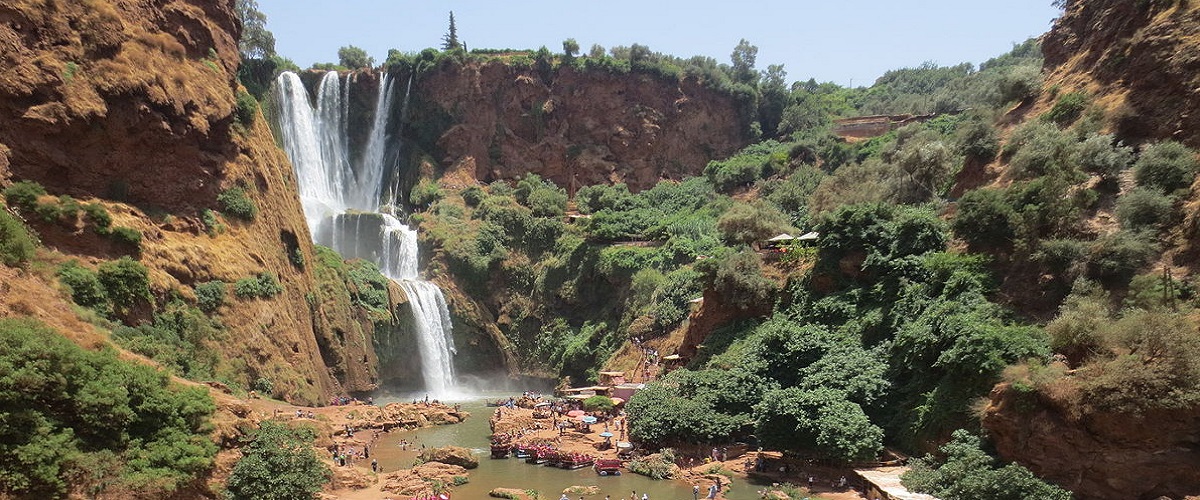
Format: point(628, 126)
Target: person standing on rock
point(374, 465)
point(695, 492)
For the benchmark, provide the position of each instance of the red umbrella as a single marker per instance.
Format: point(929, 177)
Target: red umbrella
point(576, 413)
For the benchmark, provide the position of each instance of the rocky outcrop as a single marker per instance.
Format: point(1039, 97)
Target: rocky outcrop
point(131, 104)
point(577, 127)
point(1143, 54)
point(452, 455)
point(1098, 456)
point(420, 480)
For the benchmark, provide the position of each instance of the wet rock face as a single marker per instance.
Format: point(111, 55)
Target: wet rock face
point(1099, 456)
point(578, 128)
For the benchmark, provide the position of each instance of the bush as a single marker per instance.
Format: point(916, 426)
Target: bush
point(234, 201)
point(1068, 108)
point(16, 244)
point(24, 194)
point(89, 422)
point(598, 403)
point(660, 465)
point(1114, 259)
point(128, 236)
point(99, 216)
point(247, 108)
point(425, 193)
point(968, 472)
point(86, 289)
point(210, 295)
point(1166, 166)
point(1043, 150)
point(211, 225)
point(977, 139)
point(473, 196)
point(1103, 156)
point(278, 464)
point(1144, 208)
point(126, 281)
point(264, 285)
point(746, 223)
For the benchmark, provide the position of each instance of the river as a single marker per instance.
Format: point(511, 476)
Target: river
point(514, 473)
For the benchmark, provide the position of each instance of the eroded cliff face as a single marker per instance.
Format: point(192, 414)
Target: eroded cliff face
point(131, 104)
point(1100, 456)
point(1142, 58)
point(573, 127)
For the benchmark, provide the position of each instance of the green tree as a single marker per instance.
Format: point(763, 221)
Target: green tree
point(1104, 156)
point(127, 283)
point(450, 39)
point(354, 58)
point(256, 42)
point(775, 97)
point(968, 473)
point(278, 464)
point(743, 57)
point(985, 219)
point(820, 420)
point(570, 49)
point(598, 403)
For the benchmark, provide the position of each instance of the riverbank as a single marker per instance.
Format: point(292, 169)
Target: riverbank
point(736, 473)
point(353, 432)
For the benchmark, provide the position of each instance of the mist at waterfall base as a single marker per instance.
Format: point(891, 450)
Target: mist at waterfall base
point(350, 201)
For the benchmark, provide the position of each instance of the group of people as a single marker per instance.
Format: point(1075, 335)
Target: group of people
point(632, 496)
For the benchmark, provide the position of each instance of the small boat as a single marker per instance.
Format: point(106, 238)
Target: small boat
point(501, 450)
point(607, 467)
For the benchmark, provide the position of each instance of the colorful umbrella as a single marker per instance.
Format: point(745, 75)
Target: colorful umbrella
point(606, 434)
point(576, 413)
point(588, 419)
point(617, 401)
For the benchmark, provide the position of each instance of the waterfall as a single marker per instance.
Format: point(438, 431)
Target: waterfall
point(350, 207)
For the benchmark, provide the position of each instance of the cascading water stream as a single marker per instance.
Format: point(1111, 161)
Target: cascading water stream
point(350, 207)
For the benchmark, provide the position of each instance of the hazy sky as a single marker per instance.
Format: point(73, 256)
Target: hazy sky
point(838, 41)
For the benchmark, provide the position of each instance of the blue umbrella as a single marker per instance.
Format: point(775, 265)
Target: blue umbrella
point(606, 434)
point(589, 419)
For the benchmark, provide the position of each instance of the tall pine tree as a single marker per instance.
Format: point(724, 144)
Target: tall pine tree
point(450, 39)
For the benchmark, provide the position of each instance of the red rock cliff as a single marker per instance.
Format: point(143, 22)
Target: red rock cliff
point(578, 127)
point(131, 103)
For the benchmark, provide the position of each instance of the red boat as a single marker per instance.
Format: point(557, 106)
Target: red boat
point(607, 467)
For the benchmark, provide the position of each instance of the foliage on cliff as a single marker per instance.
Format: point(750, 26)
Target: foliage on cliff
point(86, 422)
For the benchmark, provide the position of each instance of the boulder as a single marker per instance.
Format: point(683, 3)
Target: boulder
point(511, 493)
point(453, 455)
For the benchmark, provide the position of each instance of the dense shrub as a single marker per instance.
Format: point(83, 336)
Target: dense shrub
point(1144, 208)
point(236, 202)
point(598, 403)
point(966, 471)
point(278, 464)
point(977, 139)
point(1041, 149)
point(425, 193)
point(738, 278)
point(370, 288)
point(1166, 166)
point(1114, 259)
point(473, 195)
point(87, 421)
point(210, 295)
point(247, 108)
point(1068, 108)
point(16, 244)
point(819, 420)
point(23, 194)
point(84, 285)
point(264, 285)
point(176, 339)
point(746, 223)
point(126, 281)
point(1103, 156)
point(99, 216)
point(128, 236)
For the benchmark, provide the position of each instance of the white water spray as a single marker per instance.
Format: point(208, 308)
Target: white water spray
point(349, 207)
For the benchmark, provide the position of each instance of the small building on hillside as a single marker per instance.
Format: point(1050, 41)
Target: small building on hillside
point(626, 391)
point(612, 378)
point(884, 483)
